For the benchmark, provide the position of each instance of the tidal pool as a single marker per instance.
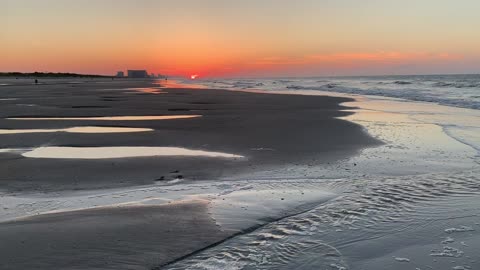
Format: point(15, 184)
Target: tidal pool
point(63, 152)
point(87, 129)
point(112, 118)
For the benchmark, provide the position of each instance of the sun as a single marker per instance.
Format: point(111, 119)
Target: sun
point(194, 76)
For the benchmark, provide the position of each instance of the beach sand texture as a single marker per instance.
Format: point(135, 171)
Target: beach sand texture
point(266, 181)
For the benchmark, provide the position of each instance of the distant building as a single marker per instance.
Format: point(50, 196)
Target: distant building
point(120, 74)
point(137, 74)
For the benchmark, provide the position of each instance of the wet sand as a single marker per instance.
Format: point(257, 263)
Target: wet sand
point(270, 131)
point(135, 237)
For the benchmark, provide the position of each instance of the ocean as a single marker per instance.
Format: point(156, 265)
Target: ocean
point(451, 90)
point(412, 203)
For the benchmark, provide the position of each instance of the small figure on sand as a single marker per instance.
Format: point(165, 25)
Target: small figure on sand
point(36, 81)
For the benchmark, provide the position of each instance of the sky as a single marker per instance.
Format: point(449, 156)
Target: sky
point(248, 38)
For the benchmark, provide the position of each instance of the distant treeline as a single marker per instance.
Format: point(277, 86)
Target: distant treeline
point(49, 74)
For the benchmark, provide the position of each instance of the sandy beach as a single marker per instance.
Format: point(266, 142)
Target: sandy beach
point(269, 130)
point(136, 237)
point(127, 174)
point(261, 132)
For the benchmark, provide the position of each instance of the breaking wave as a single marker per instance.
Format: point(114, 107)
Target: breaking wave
point(451, 90)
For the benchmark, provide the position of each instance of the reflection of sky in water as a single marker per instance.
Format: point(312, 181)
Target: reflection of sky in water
point(77, 130)
point(178, 84)
point(147, 90)
point(464, 121)
point(417, 126)
point(117, 152)
point(111, 118)
point(420, 137)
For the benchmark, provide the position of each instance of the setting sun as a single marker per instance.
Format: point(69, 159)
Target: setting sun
point(194, 76)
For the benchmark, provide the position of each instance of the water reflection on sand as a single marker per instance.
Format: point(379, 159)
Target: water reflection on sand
point(147, 90)
point(111, 118)
point(118, 152)
point(87, 129)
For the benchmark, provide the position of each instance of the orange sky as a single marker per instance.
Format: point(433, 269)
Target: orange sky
point(241, 38)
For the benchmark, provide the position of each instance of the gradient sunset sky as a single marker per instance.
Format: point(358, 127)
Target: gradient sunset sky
point(248, 38)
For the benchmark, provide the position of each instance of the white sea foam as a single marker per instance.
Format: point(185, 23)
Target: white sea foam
point(338, 267)
point(461, 267)
point(460, 229)
point(447, 252)
point(400, 259)
point(448, 240)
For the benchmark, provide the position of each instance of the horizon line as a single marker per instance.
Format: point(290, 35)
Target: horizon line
point(242, 77)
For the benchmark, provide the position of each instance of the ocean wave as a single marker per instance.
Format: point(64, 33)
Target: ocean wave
point(402, 82)
point(457, 84)
point(450, 90)
point(408, 94)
